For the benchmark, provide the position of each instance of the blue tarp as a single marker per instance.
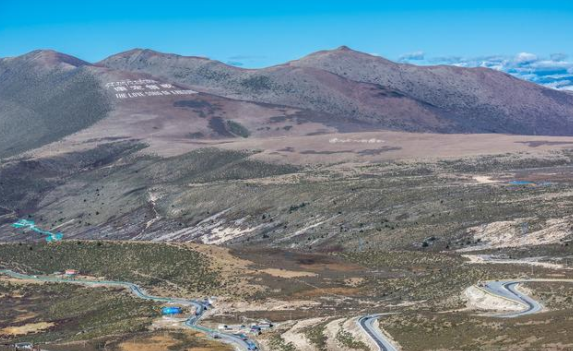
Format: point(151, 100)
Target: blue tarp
point(521, 182)
point(171, 310)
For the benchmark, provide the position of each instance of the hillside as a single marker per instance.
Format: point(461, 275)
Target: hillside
point(374, 90)
point(156, 147)
point(45, 96)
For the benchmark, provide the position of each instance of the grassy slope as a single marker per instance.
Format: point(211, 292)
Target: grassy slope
point(78, 313)
point(40, 108)
point(152, 265)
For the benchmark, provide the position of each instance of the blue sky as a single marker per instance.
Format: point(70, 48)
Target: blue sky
point(530, 39)
point(261, 33)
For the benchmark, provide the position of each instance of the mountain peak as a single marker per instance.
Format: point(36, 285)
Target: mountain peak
point(50, 57)
point(144, 54)
point(343, 48)
point(138, 52)
point(342, 52)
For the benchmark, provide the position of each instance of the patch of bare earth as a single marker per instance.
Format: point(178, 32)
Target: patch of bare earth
point(296, 336)
point(478, 299)
point(26, 329)
point(283, 273)
point(165, 341)
point(504, 234)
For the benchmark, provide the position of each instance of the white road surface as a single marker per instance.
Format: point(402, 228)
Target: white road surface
point(507, 289)
point(367, 324)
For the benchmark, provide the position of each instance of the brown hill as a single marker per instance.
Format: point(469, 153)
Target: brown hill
point(46, 96)
point(374, 90)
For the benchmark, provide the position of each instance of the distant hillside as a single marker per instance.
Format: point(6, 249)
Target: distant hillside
point(45, 96)
point(374, 90)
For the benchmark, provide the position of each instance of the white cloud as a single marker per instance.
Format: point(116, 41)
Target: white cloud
point(558, 56)
point(555, 71)
point(525, 57)
point(562, 84)
point(413, 56)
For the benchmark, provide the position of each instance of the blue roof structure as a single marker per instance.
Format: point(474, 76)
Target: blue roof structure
point(171, 310)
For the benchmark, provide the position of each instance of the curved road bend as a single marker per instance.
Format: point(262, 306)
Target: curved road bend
point(367, 324)
point(507, 290)
point(191, 322)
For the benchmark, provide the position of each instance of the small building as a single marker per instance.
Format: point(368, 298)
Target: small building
point(265, 324)
point(24, 346)
point(169, 311)
point(71, 272)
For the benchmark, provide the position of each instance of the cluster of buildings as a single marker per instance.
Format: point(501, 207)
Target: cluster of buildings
point(254, 328)
point(70, 273)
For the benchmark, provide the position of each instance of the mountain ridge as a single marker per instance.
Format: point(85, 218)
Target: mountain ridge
point(467, 99)
point(338, 90)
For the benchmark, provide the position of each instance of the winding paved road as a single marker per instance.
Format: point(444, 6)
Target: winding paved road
point(504, 289)
point(367, 324)
point(507, 290)
point(191, 322)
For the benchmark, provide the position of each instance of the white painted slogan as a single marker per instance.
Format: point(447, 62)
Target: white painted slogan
point(128, 89)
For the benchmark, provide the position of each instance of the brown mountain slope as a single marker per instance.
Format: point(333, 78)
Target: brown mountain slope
point(301, 87)
point(368, 88)
point(46, 97)
point(477, 97)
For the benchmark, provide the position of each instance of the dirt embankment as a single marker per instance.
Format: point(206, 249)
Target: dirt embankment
point(26, 329)
point(478, 299)
point(503, 234)
point(296, 335)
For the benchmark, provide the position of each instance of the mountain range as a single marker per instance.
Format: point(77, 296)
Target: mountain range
point(311, 153)
point(45, 96)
